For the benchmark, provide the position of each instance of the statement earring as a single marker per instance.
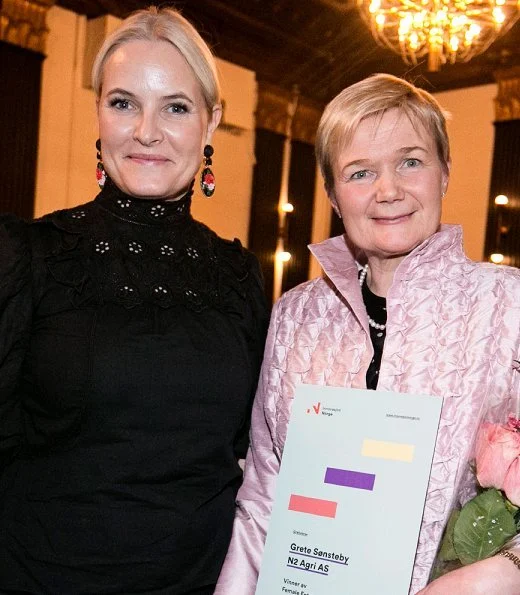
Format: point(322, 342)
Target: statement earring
point(207, 179)
point(101, 175)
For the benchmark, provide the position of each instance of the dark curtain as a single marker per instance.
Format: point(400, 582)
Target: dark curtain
point(302, 179)
point(20, 73)
point(503, 224)
point(263, 223)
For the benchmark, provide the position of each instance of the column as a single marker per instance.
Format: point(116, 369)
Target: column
point(23, 33)
point(503, 225)
point(267, 223)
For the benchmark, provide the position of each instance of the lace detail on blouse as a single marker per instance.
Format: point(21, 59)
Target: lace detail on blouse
point(133, 251)
point(142, 211)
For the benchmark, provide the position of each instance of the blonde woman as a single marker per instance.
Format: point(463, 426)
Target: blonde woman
point(130, 344)
point(401, 308)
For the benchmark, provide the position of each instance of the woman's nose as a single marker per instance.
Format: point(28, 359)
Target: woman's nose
point(388, 188)
point(148, 130)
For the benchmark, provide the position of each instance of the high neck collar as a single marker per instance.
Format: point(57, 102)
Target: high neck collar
point(144, 211)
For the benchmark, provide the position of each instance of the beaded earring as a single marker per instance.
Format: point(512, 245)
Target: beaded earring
point(207, 179)
point(101, 175)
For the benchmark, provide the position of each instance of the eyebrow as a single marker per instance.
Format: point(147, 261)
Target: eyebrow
point(413, 148)
point(356, 163)
point(174, 96)
point(402, 150)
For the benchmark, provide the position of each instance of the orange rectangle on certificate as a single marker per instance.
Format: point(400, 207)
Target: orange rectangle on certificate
point(388, 450)
point(313, 506)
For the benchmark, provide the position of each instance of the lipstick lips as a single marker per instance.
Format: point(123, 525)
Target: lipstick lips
point(145, 158)
point(394, 219)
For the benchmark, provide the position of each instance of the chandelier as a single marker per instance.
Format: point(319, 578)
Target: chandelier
point(446, 30)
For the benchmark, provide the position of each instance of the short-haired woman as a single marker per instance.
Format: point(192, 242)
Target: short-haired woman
point(401, 308)
point(131, 339)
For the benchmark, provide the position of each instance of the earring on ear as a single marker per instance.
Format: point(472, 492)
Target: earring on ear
point(101, 175)
point(207, 179)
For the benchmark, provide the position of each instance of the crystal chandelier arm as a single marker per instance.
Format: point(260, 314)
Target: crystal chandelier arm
point(446, 30)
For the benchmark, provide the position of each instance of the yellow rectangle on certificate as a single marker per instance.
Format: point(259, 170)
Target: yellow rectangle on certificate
point(388, 450)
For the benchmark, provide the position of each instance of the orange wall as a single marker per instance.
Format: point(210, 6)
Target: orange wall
point(471, 133)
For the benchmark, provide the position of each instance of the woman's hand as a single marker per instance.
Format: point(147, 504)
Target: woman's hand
point(493, 576)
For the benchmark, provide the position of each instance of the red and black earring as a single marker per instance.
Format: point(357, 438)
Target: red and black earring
point(101, 175)
point(207, 179)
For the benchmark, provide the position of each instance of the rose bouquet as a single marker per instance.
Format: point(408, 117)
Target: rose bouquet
point(486, 522)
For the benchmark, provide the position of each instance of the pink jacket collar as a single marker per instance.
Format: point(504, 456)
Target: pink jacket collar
point(341, 264)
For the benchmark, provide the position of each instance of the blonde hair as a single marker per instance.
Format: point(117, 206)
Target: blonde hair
point(164, 24)
point(374, 96)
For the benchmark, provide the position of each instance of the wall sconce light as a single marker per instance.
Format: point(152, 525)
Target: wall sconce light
point(281, 255)
point(284, 256)
point(496, 258)
point(501, 201)
point(502, 229)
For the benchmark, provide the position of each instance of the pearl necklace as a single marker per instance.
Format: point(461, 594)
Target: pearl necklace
point(371, 322)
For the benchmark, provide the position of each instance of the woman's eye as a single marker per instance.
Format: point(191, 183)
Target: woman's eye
point(359, 175)
point(178, 108)
point(121, 104)
point(412, 162)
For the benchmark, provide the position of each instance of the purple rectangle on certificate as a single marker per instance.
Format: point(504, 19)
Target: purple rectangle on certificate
point(350, 479)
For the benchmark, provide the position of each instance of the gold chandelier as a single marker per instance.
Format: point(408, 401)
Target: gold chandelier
point(446, 30)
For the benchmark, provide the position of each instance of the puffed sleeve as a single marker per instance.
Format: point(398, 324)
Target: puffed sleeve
point(258, 320)
point(255, 498)
point(15, 315)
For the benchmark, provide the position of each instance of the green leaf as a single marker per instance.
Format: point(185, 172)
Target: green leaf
point(483, 526)
point(517, 520)
point(511, 507)
point(447, 551)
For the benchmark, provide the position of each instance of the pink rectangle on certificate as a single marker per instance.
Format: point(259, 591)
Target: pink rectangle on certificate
point(313, 506)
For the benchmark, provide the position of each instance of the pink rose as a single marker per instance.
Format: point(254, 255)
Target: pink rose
point(512, 482)
point(497, 447)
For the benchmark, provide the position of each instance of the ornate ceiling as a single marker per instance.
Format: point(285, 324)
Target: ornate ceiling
point(320, 45)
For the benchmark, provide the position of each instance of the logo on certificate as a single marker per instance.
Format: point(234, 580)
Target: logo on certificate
point(315, 408)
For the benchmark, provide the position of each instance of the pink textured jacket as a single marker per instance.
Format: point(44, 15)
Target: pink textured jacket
point(453, 330)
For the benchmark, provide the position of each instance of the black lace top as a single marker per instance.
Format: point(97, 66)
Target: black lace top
point(131, 339)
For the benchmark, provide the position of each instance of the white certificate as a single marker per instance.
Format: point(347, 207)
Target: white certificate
point(350, 494)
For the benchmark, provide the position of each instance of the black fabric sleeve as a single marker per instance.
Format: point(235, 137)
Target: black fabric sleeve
point(15, 319)
point(259, 322)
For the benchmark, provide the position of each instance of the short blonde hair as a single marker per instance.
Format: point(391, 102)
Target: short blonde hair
point(374, 96)
point(164, 24)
